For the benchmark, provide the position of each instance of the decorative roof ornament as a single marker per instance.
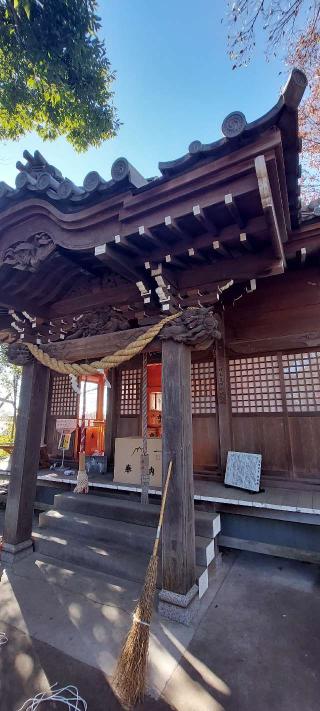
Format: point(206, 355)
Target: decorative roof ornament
point(37, 164)
point(93, 181)
point(67, 189)
point(38, 176)
point(195, 147)
point(122, 169)
point(294, 89)
point(234, 124)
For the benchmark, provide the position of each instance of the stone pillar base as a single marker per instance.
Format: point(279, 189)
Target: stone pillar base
point(12, 552)
point(179, 608)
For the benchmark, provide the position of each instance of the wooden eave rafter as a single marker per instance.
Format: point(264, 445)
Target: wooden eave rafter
point(268, 207)
point(115, 296)
point(247, 267)
point(117, 262)
point(209, 240)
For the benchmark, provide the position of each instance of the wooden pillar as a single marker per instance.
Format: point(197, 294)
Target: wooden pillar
point(178, 536)
point(25, 461)
point(111, 421)
point(223, 399)
point(45, 410)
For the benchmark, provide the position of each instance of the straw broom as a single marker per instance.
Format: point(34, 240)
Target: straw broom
point(130, 675)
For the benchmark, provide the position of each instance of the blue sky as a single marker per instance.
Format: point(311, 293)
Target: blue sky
point(174, 84)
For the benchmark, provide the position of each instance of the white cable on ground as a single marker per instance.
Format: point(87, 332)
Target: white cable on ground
point(68, 695)
point(3, 639)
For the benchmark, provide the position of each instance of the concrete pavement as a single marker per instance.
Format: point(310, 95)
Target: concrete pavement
point(258, 646)
point(255, 645)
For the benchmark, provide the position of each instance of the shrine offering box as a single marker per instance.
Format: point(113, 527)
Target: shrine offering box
point(127, 460)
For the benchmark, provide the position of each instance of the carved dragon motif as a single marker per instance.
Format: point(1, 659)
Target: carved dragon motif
point(19, 354)
point(28, 255)
point(197, 327)
point(94, 323)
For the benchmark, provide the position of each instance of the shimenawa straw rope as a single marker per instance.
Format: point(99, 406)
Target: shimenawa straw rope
point(111, 361)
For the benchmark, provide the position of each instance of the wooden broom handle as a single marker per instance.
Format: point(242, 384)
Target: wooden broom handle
point(163, 504)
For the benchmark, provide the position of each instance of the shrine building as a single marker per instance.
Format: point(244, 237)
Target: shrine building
point(187, 305)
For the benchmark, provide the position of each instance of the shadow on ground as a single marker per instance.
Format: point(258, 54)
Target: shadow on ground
point(258, 647)
point(28, 665)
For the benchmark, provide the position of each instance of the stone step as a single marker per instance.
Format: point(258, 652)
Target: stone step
point(108, 558)
point(108, 507)
point(207, 525)
point(97, 529)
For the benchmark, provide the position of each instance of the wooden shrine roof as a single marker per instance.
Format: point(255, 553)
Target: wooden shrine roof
point(111, 255)
point(37, 178)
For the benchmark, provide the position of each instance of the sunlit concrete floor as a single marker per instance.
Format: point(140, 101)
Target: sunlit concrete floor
point(254, 647)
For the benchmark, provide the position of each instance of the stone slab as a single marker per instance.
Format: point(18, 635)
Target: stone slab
point(243, 470)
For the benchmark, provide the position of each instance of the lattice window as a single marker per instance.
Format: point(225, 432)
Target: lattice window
point(130, 392)
point(301, 372)
point(255, 384)
point(64, 401)
point(203, 388)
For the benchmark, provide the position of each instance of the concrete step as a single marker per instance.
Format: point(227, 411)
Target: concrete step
point(108, 507)
point(95, 528)
point(131, 535)
point(108, 558)
point(207, 524)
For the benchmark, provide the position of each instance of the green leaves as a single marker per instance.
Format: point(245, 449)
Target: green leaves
point(55, 77)
point(23, 6)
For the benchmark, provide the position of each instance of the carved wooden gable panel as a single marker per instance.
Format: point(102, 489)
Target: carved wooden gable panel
point(29, 254)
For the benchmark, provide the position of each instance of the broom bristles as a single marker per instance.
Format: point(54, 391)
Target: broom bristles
point(130, 674)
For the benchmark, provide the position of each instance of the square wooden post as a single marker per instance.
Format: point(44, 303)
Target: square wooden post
point(25, 462)
point(180, 593)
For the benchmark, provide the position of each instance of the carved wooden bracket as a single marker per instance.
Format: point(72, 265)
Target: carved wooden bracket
point(28, 255)
point(106, 320)
point(195, 327)
point(19, 354)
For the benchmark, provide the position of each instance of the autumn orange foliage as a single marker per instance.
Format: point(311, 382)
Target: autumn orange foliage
point(305, 53)
point(292, 30)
